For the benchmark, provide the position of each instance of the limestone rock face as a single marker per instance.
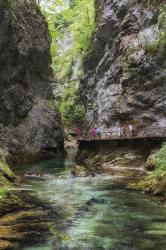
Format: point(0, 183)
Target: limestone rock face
point(124, 82)
point(29, 125)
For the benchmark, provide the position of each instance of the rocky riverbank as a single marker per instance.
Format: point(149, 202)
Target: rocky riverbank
point(116, 156)
point(137, 163)
point(9, 201)
point(155, 181)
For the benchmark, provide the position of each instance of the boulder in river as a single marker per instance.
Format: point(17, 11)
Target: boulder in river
point(80, 171)
point(151, 162)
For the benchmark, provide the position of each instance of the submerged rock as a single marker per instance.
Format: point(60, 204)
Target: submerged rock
point(95, 201)
point(39, 176)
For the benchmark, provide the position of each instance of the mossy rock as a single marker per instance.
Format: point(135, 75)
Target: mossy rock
point(151, 162)
point(151, 184)
point(6, 175)
point(80, 171)
point(6, 179)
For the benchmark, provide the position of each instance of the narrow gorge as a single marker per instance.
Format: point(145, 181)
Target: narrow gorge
point(69, 68)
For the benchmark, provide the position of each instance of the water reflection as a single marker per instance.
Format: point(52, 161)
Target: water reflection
point(86, 213)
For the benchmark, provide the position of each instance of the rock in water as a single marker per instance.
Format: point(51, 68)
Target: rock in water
point(30, 127)
point(80, 171)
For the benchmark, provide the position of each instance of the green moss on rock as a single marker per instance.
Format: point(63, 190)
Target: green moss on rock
point(5, 168)
point(6, 178)
point(155, 182)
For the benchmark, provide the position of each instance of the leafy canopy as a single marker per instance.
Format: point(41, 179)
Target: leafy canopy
point(71, 25)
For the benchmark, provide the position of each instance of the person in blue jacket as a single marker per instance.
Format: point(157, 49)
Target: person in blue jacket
point(98, 132)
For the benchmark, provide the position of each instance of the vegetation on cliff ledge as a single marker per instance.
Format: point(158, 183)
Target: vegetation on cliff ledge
point(155, 182)
point(160, 43)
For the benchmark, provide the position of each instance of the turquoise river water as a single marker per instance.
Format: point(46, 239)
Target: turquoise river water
point(90, 213)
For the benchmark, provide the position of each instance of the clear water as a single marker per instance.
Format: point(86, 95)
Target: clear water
point(87, 213)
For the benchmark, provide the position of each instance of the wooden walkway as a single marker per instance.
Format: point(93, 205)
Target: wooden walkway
point(150, 133)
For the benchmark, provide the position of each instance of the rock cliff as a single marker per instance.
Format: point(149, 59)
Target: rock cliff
point(125, 82)
point(30, 125)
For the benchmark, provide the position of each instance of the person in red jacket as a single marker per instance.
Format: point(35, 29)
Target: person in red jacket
point(93, 132)
point(78, 132)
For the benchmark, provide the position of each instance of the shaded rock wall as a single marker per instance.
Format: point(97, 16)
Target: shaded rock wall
point(30, 127)
point(124, 83)
point(121, 158)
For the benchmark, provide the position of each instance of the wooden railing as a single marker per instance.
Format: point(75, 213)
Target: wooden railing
point(126, 135)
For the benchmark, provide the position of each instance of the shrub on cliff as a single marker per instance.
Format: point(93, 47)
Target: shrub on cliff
point(160, 43)
point(155, 182)
point(72, 110)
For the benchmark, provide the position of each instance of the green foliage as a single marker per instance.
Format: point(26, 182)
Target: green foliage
point(156, 181)
point(79, 21)
point(71, 109)
point(4, 182)
point(161, 161)
point(160, 43)
point(11, 3)
point(76, 21)
point(3, 193)
point(5, 168)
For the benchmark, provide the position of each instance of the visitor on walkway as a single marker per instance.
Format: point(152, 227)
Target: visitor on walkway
point(93, 132)
point(78, 132)
point(131, 130)
point(122, 132)
point(110, 133)
point(98, 132)
point(119, 131)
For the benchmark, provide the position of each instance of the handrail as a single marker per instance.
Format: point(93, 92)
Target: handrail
point(118, 135)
